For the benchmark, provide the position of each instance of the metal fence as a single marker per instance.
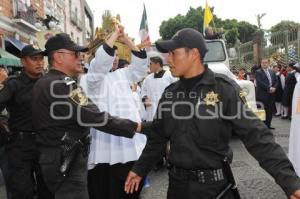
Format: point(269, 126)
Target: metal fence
point(280, 47)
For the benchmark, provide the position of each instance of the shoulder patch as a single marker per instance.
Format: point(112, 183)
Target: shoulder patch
point(241, 93)
point(68, 80)
point(79, 97)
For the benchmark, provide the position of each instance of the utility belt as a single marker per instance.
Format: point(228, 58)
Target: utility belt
point(203, 176)
point(22, 135)
point(70, 148)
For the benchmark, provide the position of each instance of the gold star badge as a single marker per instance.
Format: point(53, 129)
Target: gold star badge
point(211, 98)
point(79, 97)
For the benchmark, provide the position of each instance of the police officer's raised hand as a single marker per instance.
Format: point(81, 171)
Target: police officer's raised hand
point(132, 182)
point(296, 194)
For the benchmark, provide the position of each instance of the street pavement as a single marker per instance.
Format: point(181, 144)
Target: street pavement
point(253, 182)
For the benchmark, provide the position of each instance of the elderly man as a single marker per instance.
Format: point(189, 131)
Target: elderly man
point(62, 115)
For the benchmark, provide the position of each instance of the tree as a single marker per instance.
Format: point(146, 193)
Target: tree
point(285, 25)
point(231, 36)
point(194, 19)
point(246, 31)
point(169, 28)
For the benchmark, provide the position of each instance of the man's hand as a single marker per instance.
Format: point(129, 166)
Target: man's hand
point(132, 182)
point(118, 31)
point(272, 90)
point(3, 75)
point(139, 128)
point(295, 195)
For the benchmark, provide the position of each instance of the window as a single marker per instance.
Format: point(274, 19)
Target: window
point(216, 52)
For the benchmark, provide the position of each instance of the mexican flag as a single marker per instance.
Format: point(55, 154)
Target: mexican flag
point(144, 30)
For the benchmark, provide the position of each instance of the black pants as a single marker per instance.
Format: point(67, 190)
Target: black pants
point(25, 179)
point(107, 182)
point(268, 106)
point(182, 188)
point(71, 186)
point(4, 170)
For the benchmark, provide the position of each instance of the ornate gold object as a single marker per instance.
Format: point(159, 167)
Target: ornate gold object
point(108, 24)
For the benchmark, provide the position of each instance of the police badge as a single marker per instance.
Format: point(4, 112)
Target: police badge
point(79, 97)
point(211, 98)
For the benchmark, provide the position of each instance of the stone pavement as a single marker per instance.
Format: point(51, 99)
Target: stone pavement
point(253, 182)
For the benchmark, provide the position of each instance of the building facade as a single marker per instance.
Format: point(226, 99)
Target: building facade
point(20, 20)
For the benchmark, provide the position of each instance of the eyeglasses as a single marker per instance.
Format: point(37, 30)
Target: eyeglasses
point(76, 53)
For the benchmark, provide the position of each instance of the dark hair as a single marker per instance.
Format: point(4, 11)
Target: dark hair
point(156, 60)
point(122, 63)
point(50, 58)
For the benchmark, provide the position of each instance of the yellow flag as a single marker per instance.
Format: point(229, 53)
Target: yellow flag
point(207, 15)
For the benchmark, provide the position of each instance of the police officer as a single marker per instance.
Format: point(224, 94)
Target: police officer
point(62, 110)
point(199, 114)
point(21, 151)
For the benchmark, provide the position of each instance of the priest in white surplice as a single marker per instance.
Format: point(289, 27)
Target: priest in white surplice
point(154, 84)
point(111, 157)
point(294, 142)
point(153, 87)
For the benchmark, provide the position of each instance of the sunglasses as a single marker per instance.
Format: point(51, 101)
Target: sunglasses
point(76, 53)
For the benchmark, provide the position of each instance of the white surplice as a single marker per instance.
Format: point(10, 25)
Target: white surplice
point(294, 146)
point(153, 88)
point(111, 92)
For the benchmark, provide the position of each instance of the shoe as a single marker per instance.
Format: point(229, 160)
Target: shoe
point(284, 117)
point(277, 115)
point(272, 128)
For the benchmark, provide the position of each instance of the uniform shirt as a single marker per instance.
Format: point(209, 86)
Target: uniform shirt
point(199, 139)
point(16, 96)
point(152, 88)
point(60, 106)
point(111, 92)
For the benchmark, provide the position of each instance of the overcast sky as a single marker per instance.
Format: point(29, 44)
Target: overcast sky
point(160, 10)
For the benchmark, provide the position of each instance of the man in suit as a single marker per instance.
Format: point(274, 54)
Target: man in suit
point(266, 83)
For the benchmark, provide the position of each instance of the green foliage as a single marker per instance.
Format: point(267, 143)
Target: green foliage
point(231, 36)
point(194, 19)
point(285, 25)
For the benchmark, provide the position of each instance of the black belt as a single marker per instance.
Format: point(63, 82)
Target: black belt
point(23, 135)
point(202, 175)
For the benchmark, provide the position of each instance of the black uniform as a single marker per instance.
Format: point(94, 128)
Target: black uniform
point(60, 108)
point(199, 116)
point(21, 151)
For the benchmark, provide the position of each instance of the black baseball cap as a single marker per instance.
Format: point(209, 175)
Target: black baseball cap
point(62, 41)
point(29, 50)
point(186, 37)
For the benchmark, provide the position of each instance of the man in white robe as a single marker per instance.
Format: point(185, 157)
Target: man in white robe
point(153, 87)
point(111, 157)
point(294, 146)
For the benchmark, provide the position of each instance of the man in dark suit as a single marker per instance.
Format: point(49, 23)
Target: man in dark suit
point(266, 83)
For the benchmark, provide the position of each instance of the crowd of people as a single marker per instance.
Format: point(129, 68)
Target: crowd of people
point(95, 130)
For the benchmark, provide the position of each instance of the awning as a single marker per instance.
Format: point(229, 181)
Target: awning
point(13, 46)
point(18, 44)
point(8, 59)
